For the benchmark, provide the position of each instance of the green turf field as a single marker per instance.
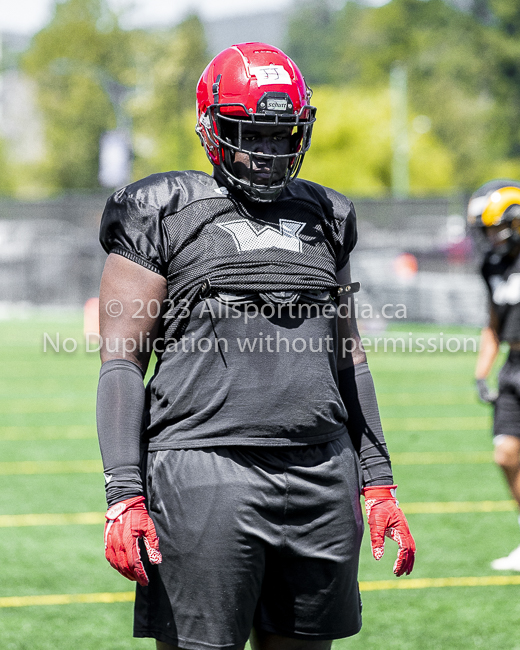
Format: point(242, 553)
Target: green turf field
point(58, 592)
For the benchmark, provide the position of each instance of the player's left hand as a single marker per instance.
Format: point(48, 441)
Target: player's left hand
point(386, 518)
point(486, 394)
point(127, 521)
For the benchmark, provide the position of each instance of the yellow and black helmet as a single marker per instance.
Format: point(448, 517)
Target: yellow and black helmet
point(494, 204)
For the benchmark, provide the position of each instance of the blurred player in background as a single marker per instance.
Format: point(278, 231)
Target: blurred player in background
point(494, 216)
point(246, 519)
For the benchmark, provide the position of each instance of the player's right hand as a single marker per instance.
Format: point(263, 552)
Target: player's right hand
point(485, 393)
point(127, 521)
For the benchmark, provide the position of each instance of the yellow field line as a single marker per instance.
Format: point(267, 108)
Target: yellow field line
point(77, 432)
point(67, 599)
point(427, 399)
point(11, 406)
point(374, 585)
point(426, 583)
point(51, 467)
point(442, 458)
point(469, 423)
point(97, 518)
point(446, 507)
point(58, 519)
point(95, 466)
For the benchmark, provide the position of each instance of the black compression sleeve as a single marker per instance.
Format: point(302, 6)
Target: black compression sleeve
point(364, 424)
point(119, 414)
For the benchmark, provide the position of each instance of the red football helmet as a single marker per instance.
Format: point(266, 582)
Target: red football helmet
point(253, 83)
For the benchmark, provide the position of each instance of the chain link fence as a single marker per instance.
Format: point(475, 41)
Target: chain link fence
point(417, 253)
point(414, 253)
point(49, 252)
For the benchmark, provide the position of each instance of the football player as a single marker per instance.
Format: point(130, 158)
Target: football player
point(494, 216)
point(232, 481)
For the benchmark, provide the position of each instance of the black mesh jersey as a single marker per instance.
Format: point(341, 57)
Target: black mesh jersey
point(232, 368)
point(502, 277)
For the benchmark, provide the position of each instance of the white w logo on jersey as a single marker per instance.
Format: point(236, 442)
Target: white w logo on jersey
point(506, 292)
point(248, 239)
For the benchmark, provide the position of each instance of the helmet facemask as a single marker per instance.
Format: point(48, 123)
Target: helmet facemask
point(225, 125)
point(504, 238)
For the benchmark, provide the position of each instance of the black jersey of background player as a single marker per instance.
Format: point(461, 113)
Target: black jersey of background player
point(502, 277)
point(240, 370)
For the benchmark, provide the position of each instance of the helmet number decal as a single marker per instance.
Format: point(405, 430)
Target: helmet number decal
point(270, 75)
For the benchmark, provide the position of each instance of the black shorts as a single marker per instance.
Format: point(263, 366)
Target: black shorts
point(264, 537)
point(507, 407)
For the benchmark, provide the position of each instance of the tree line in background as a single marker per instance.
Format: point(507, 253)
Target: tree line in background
point(461, 59)
point(463, 66)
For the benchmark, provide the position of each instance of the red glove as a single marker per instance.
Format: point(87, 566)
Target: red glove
point(126, 522)
point(385, 518)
